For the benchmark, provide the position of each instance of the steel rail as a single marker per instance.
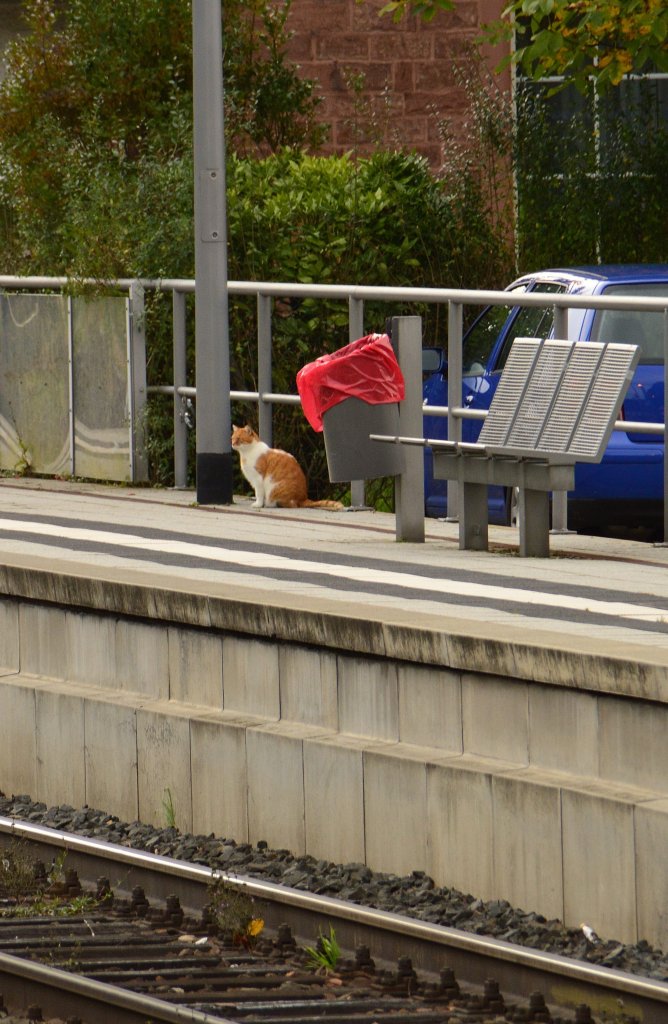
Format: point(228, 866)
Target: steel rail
point(62, 993)
point(474, 958)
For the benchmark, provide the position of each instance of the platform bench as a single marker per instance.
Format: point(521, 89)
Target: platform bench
point(555, 405)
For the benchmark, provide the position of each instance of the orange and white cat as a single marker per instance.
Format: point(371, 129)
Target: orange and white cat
point(275, 475)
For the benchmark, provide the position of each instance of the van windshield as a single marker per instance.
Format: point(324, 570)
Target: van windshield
point(525, 322)
point(633, 327)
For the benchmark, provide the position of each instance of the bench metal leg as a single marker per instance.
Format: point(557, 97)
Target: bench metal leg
point(473, 513)
point(534, 523)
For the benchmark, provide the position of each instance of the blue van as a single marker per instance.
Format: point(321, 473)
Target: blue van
point(626, 488)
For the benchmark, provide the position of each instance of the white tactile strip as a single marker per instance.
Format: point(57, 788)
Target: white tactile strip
point(373, 581)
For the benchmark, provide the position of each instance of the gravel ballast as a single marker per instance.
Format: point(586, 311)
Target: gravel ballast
point(414, 895)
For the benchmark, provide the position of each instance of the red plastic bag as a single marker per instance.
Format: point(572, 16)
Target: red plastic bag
point(366, 369)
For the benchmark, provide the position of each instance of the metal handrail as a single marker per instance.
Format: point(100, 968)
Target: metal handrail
point(356, 295)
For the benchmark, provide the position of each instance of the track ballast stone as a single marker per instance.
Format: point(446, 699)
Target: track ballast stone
point(413, 895)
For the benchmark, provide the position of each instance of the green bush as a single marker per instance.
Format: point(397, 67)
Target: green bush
point(383, 220)
point(96, 156)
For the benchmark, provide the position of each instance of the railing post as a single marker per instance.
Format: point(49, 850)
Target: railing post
point(355, 331)
point(137, 389)
point(665, 392)
point(70, 384)
point(264, 370)
point(560, 320)
point(455, 335)
point(180, 377)
point(409, 485)
point(560, 498)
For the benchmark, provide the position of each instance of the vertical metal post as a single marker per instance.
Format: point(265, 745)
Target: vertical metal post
point(70, 379)
point(355, 331)
point(409, 485)
point(137, 366)
point(355, 318)
point(264, 375)
point(560, 321)
point(560, 498)
point(214, 417)
point(665, 417)
point(455, 335)
point(180, 376)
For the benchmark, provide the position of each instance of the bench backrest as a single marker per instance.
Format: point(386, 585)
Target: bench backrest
point(559, 398)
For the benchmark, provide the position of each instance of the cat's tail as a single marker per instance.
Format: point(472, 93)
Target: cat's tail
point(334, 506)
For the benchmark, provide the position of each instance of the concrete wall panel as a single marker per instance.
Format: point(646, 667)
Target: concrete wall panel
point(59, 738)
point(18, 753)
point(563, 730)
point(42, 641)
point(111, 758)
point(460, 850)
point(308, 684)
point(276, 788)
point(142, 659)
point(9, 636)
point(527, 843)
point(195, 668)
point(334, 799)
point(368, 698)
point(651, 836)
point(91, 649)
point(163, 769)
point(627, 727)
point(395, 811)
point(430, 707)
point(250, 678)
point(495, 718)
point(219, 777)
point(599, 863)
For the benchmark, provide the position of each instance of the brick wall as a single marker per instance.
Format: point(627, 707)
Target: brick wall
point(407, 69)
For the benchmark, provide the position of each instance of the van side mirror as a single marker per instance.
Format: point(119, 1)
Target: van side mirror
point(433, 360)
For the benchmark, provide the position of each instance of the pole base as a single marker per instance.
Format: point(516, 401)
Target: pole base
point(215, 478)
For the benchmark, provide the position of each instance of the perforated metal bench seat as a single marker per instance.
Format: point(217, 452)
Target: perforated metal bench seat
point(555, 404)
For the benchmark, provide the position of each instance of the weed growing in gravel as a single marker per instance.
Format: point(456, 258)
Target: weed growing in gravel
point(326, 953)
point(233, 911)
point(169, 809)
point(17, 872)
point(30, 895)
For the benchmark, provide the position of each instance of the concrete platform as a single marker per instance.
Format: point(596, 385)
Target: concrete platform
point(297, 676)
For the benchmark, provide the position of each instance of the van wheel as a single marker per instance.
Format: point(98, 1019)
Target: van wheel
point(512, 506)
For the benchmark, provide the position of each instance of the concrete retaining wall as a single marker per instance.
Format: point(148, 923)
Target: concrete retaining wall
point(544, 781)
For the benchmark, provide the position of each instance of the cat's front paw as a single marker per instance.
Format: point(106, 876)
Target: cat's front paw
point(257, 504)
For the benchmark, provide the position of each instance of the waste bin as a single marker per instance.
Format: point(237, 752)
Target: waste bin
point(350, 394)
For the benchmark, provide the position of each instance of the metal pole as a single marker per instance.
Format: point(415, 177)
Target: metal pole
point(138, 394)
point(665, 419)
point(214, 416)
point(180, 377)
point(70, 382)
point(560, 498)
point(264, 373)
point(455, 362)
point(409, 485)
point(355, 331)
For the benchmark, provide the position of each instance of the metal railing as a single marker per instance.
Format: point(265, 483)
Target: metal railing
point(356, 296)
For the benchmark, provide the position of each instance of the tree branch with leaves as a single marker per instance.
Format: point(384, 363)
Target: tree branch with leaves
point(579, 40)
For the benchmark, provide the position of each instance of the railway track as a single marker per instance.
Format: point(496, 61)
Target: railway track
point(169, 958)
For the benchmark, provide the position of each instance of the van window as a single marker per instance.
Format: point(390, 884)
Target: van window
point(633, 327)
point(530, 322)
point(481, 339)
